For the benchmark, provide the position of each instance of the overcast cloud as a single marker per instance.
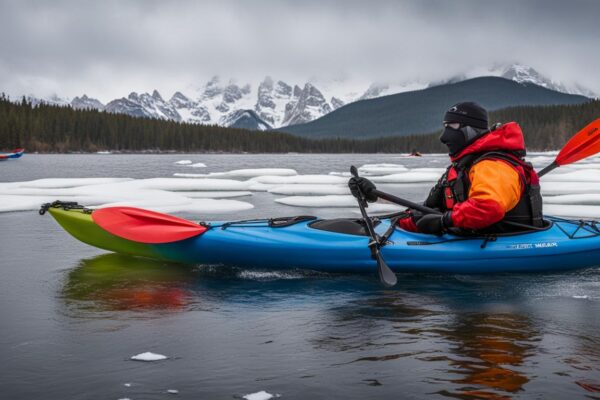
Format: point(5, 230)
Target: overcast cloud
point(108, 48)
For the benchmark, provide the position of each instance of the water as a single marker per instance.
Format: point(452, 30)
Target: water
point(72, 316)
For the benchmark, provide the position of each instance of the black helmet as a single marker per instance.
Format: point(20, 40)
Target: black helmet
point(467, 113)
point(463, 123)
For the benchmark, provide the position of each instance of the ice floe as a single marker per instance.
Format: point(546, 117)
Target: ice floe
point(262, 395)
point(381, 169)
point(582, 199)
point(244, 173)
point(305, 189)
point(334, 201)
point(57, 183)
point(159, 194)
point(583, 175)
point(306, 179)
point(572, 210)
point(183, 162)
point(148, 356)
point(407, 177)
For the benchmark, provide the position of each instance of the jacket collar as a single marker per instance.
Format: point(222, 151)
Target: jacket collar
point(507, 137)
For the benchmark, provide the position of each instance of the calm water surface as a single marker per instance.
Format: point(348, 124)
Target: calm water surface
point(72, 316)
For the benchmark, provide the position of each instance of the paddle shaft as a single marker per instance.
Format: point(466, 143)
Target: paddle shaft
point(405, 203)
point(386, 275)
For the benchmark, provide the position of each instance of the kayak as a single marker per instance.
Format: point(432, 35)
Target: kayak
point(17, 153)
point(338, 245)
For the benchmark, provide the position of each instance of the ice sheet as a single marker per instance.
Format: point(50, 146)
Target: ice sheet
point(335, 201)
point(244, 173)
point(306, 179)
point(148, 356)
point(407, 177)
point(160, 194)
point(572, 211)
point(304, 189)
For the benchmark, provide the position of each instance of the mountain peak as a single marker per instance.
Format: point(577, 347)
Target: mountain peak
point(156, 95)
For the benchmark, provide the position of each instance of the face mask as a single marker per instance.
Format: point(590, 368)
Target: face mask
point(454, 139)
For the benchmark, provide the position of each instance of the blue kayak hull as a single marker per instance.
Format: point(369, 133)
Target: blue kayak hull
point(300, 246)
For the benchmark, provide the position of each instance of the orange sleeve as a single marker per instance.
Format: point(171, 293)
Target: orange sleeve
point(495, 190)
point(496, 180)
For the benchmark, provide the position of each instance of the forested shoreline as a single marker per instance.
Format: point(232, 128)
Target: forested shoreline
point(55, 129)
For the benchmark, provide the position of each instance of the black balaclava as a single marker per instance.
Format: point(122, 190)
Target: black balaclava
point(473, 120)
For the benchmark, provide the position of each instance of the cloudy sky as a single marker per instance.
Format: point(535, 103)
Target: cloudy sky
point(109, 48)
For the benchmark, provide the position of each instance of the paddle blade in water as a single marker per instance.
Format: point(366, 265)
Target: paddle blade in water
point(145, 226)
point(386, 275)
point(585, 143)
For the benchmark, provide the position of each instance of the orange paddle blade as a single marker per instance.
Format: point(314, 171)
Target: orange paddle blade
point(585, 143)
point(145, 226)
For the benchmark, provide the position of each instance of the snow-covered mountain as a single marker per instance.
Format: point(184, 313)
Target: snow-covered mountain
point(274, 103)
point(86, 103)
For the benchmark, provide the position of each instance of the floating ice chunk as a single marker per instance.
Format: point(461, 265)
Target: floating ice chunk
point(183, 162)
point(244, 173)
point(260, 187)
point(334, 201)
point(407, 177)
point(50, 183)
point(572, 211)
point(582, 199)
point(555, 188)
point(127, 384)
point(198, 165)
point(583, 175)
point(217, 194)
point(582, 165)
point(438, 171)
point(309, 179)
point(381, 169)
point(173, 391)
point(161, 194)
point(178, 184)
point(319, 201)
point(346, 174)
point(198, 206)
point(148, 356)
point(580, 296)
point(262, 395)
point(304, 189)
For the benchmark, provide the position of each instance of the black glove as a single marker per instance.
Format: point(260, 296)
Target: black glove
point(435, 224)
point(363, 185)
point(435, 198)
point(416, 215)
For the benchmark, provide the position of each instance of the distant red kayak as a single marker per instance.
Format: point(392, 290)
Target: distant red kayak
point(16, 153)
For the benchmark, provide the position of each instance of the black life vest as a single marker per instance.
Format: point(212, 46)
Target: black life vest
point(453, 187)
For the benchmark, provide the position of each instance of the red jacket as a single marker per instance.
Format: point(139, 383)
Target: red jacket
point(496, 186)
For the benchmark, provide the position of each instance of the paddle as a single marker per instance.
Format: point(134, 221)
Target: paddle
point(386, 275)
point(145, 226)
point(585, 143)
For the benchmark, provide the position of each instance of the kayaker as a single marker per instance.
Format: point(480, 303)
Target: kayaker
point(487, 185)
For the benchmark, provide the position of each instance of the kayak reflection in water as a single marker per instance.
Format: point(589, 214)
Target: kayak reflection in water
point(112, 282)
point(488, 188)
